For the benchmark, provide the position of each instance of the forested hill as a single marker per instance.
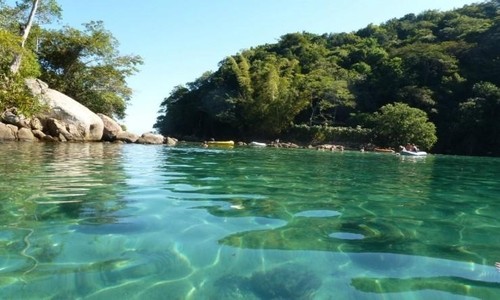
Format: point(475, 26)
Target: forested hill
point(436, 74)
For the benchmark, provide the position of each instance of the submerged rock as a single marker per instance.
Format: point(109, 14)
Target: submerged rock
point(286, 282)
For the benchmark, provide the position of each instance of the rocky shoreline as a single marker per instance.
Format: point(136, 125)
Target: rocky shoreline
point(66, 120)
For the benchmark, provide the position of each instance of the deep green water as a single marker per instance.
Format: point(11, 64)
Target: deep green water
point(105, 221)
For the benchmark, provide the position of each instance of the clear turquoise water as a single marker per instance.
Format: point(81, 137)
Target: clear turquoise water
point(105, 221)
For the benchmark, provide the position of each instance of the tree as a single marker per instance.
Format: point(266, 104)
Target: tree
point(419, 97)
point(25, 30)
point(4, 14)
point(17, 58)
point(173, 119)
point(397, 124)
point(10, 47)
point(13, 91)
point(479, 126)
point(267, 94)
point(86, 66)
point(326, 96)
point(27, 10)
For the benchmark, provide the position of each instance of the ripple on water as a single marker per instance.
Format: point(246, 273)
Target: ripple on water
point(318, 213)
point(347, 236)
point(130, 221)
point(133, 265)
point(269, 222)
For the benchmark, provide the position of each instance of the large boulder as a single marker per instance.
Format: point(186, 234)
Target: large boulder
point(111, 128)
point(74, 116)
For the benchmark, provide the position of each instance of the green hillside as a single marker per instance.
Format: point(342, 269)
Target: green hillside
point(432, 79)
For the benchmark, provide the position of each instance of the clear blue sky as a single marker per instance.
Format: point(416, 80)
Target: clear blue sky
point(181, 39)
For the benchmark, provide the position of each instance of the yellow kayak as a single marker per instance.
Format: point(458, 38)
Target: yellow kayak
point(221, 143)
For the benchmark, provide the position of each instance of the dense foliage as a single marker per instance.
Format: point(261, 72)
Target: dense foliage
point(13, 91)
point(441, 67)
point(85, 65)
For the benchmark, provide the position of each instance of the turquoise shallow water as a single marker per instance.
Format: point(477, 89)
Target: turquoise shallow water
point(105, 221)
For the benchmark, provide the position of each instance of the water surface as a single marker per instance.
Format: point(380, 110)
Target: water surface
point(102, 221)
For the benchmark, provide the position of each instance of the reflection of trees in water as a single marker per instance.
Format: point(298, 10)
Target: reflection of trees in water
point(57, 183)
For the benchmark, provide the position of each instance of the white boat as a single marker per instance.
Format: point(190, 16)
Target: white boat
point(257, 144)
point(413, 153)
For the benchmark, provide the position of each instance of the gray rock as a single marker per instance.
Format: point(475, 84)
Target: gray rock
point(48, 138)
point(36, 124)
point(151, 138)
point(36, 86)
point(58, 129)
point(111, 128)
point(127, 137)
point(25, 135)
point(10, 116)
point(38, 134)
point(75, 132)
point(8, 132)
point(170, 141)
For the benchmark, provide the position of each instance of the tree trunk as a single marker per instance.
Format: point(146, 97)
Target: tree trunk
point(16, 62)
